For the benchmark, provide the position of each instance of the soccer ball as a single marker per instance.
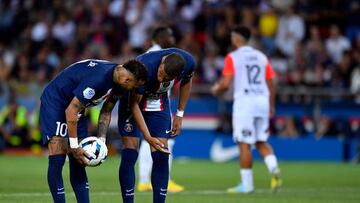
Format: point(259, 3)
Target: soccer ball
point(96, 149)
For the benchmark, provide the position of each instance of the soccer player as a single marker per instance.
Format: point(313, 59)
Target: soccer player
point(162, 38)
point(149, 108)
point(254, 102)
point(63, 102)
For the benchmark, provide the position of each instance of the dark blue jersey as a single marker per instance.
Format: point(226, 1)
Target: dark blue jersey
point(152, 61)
point(89, 80)
point(155, 94)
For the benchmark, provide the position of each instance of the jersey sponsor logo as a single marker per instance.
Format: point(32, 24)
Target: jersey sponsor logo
point(88, 93)
point(219, 153)
point(92, 64)
point(128, 127)
point(167, 131)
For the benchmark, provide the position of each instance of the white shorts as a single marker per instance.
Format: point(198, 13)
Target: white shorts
point(250, 130)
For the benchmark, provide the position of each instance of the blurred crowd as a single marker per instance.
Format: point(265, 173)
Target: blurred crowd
point(309, 43)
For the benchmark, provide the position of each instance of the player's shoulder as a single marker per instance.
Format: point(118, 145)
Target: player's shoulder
point(89, 70)
point(182, 52)
point(93, 62)
point(244, 51)
point(189, 59)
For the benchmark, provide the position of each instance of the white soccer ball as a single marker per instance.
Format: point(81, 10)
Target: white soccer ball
point(96, 149)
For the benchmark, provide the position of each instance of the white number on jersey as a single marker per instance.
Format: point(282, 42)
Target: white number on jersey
point(61, 129)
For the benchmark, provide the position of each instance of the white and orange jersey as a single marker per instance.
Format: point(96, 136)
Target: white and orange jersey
point(250, 69)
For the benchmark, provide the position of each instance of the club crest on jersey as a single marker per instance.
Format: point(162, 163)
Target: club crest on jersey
point(88, 93)
point(128, 127)
point(246, 133)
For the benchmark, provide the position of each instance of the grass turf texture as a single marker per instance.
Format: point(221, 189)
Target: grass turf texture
point(23, 179)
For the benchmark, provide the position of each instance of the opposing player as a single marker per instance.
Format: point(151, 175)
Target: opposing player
point(63, 102)
point(254, 102)
point(149, 107)
point(162, 38)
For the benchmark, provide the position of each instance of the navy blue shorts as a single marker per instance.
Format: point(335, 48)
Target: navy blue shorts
point(158, 123)
point(53, 123)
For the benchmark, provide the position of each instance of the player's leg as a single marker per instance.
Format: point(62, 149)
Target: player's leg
point(53, 130)
point(172, 186)
point(78, 180)
point(266, 151)
point(244, 135)
point(129, 154)
point(160, 173)
point(57, 154)
point(145, 165)
point(78, 177)
point(159, 124)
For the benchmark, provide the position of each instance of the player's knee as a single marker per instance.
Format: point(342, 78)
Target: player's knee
point(56, 160)
point(164, 141)
point(130, 143)
point(262, 145)
point(57, 145)
point(160, 157)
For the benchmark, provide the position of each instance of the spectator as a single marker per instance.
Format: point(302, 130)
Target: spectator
point(268, 25)
point(13, 124)
point(291, 31)
point(315, 49)
point(212, 64)
point(64, 29)
point(336, 44)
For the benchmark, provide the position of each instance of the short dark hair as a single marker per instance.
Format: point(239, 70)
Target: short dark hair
point(137, 68)
point(243, 31)
point(159, 31)
point(174, 64)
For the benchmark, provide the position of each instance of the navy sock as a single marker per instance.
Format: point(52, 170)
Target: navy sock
point(79, 181)
point(127, 174)
point(160, 176)
point(54, 176)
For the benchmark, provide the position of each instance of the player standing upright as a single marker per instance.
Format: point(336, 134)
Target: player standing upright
point(254, 103)
point(162, 38)
point(63, 102)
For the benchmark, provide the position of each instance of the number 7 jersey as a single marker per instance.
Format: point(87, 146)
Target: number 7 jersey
point(250, 69)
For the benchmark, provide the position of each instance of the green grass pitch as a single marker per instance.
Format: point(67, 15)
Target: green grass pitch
point(23, 179)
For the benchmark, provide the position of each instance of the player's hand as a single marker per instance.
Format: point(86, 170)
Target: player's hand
point(157, 144)
point(176, 128)
point(79, 154)
point(214, 89)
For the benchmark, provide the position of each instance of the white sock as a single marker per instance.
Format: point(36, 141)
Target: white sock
point(247, 178)
point(145, 162)
point(271, 162)
point(171, 143)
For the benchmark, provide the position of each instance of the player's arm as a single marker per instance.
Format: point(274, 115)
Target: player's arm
point(71, 113)
point(227, 77)
point(222, 85)
point(105, 118)
point(140, 121)
point(185, 88)
point(270, 82)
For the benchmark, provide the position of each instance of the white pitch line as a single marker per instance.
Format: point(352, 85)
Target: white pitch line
point(194, 192)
